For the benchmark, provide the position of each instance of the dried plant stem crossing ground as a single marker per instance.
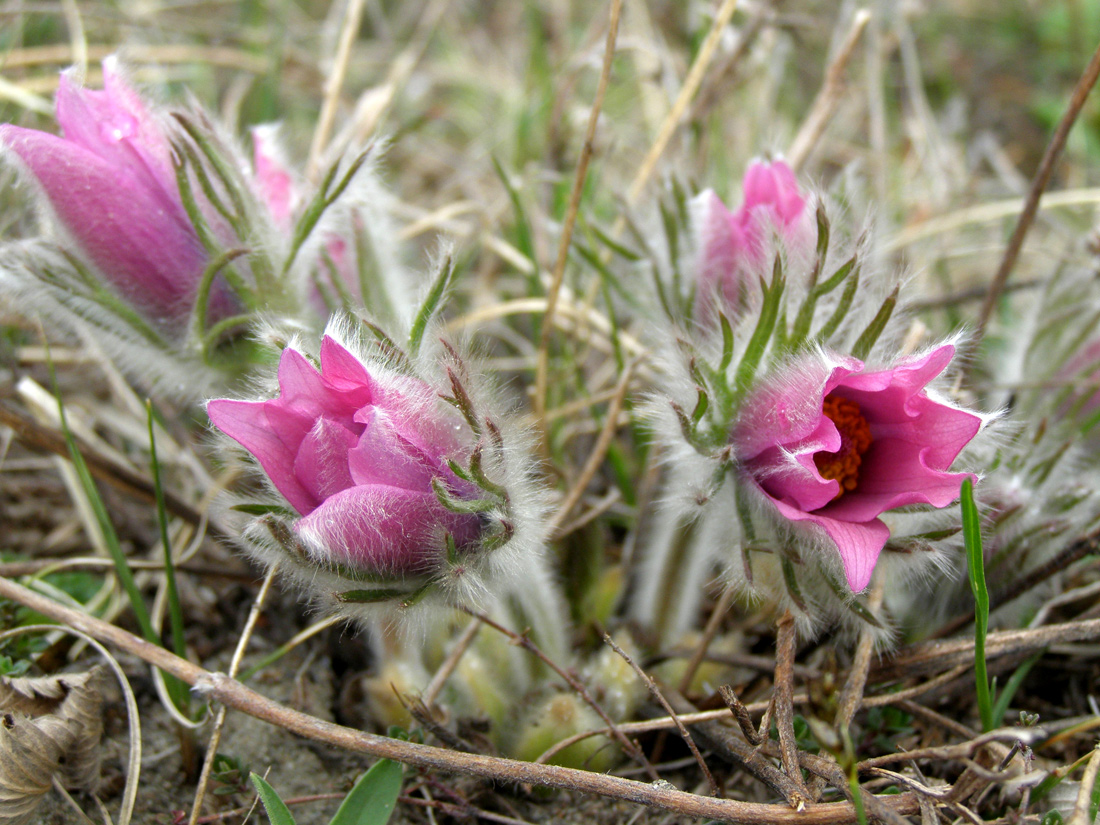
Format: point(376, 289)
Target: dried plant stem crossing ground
point(220, 688)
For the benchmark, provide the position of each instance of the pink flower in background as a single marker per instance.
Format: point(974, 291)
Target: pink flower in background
point(356, 454)
point(833, 445)
point(732, 247)
point(110, 181)
point(275, 183)
point(280, 190)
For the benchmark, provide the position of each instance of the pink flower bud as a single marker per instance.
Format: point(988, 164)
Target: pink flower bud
point(275, 183)
point(733, 247)
point(830, 444)
point(359, 456)
point(111, 184)
point(335, 268)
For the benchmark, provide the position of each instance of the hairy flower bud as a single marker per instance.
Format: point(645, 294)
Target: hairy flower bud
point(397, 493)
point(110, 182)
point(359, 457)
point(733, 247)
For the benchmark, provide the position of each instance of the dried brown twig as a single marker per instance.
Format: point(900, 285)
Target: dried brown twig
point(715, 789)
point(543, 365)
point(521, 639)
point(1038, 186)
point(784, 699)
point(221, 688)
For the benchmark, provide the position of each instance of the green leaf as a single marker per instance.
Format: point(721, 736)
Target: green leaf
point(264, 510)
point(373, 798)
point(975, 563)
point(277, 811)
point(432, 303)
point(874, 329)
point(835, 320)
point(179, 691)
point(381, 594)
point(1000, 707)
point(765, 326)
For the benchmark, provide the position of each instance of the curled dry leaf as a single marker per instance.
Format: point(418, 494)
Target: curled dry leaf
point(49, 726)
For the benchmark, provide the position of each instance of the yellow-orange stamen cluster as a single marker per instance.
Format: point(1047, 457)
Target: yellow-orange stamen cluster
point(855, 440)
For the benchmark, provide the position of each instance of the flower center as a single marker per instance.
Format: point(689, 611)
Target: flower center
point(855, 440)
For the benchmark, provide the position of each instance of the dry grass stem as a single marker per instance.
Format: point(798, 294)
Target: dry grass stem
point(1038, 186)
point(596, 456)
point(675, 115)
point(709, 632)
point(234, 666)
point(461, 645)
point(219, 687)
point(558, 275)
point(1083, 803)
point(832, 89)
point(521, 639)
point(349, 30)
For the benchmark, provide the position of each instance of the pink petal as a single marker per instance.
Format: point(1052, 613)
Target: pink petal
point(790, 474)
point(248, 423)
point(859, 543)
point(321, 465)
point(274, 181)
point(720, 246)
point(385, 455)
point(115, 125)
point(787, 408)
point(344, 373)
point(384, 531)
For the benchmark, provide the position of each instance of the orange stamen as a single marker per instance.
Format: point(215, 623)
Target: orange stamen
point(855, 440)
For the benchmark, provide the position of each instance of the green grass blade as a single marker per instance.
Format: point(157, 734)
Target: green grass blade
point(373, 798)
point(975, 563)
point(277, 811)
point(122, 566)
point(1000, 707)
point(176, 689)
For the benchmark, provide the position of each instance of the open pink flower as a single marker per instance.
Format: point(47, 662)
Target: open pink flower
point(356, 454)
point(111, 183)
point(830, 444)
point(732, 246)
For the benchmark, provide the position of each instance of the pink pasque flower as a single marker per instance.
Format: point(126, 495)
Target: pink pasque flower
point(355, 454)
point(275, 183)
point(732, 247)
point(828, 443)
point(111, 183)
point(279, 188)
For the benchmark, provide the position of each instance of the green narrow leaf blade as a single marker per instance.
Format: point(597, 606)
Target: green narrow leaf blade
point(373, 798)
point(179, 692)
point(975, 563)
point(874, 329)
point(277, 811)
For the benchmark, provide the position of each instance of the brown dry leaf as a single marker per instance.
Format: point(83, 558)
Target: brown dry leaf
point(50, 726)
